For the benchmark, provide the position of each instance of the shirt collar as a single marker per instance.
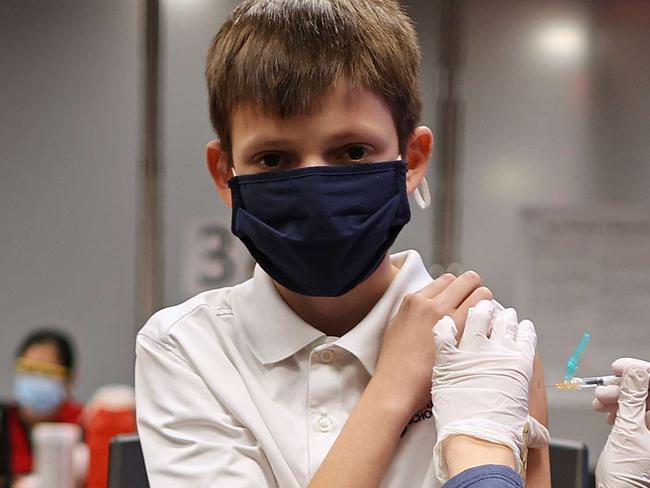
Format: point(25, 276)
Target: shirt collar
point(276, 332)
point(365, 339)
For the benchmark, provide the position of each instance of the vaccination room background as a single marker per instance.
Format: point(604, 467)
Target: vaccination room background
point(540, 176)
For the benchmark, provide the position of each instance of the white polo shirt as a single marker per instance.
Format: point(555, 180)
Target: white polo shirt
point(235, 390)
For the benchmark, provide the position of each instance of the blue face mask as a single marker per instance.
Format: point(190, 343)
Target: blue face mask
point(320, 231)
point(42, 395)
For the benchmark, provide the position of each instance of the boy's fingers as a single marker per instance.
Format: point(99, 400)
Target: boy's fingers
point(477, 323)
point(460, 314)
point(457, 292)
point(505, 324)
point(434, 288)
point(444, 334)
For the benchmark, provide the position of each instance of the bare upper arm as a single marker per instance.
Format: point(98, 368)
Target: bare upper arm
point(538, 474)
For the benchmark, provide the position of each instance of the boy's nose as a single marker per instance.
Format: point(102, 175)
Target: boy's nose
point(313, 160)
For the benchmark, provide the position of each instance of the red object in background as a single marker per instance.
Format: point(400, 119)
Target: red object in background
point(101, 426)
point(19, 437)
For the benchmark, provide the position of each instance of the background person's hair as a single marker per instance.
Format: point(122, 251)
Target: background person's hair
point(281, 56)
point(61, 341)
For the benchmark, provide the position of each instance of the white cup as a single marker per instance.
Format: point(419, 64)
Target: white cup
point(54, 446)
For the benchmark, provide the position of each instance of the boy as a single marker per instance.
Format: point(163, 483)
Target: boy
point(308, 374)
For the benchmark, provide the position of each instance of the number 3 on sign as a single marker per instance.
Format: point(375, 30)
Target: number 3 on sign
point(215, 258)
point(216, 255)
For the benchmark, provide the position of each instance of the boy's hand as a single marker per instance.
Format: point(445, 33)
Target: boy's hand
point(408, 354)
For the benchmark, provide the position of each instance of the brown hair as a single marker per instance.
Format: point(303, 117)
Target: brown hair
point(281, 56)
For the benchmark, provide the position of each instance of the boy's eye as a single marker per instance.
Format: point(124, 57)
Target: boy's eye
point(356, 152)
point(270, 160)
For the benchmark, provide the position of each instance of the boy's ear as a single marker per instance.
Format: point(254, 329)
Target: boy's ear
point(418, 152)
point(217, 161)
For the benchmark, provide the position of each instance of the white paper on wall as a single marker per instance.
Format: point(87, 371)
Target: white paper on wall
point(586, 270)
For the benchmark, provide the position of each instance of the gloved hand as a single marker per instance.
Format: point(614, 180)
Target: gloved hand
point(607, 396)
point(625, 460)
point(480, 388)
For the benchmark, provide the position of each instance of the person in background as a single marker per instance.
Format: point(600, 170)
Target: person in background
point(480, 391)
point(42, 392)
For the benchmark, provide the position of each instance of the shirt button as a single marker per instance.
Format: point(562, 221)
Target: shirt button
point(324, 424)
point(327, 356)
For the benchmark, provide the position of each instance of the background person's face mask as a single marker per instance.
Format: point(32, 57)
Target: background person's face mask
point(40, 394)
point(320, 231)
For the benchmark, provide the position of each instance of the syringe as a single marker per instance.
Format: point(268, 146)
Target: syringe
point(576, 383)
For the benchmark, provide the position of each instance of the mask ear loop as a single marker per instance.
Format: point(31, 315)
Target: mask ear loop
point(422, 194)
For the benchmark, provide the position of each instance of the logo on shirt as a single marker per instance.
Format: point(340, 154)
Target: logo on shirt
point(424, 414)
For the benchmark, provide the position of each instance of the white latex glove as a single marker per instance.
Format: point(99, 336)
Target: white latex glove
point(607, 396)
point(625, 460)
point(480, 388)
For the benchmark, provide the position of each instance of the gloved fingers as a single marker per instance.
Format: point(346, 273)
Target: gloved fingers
point(622, 364)
point(608, 395)
point(477, 324)
point(444, 334)
point(611, 417)
point(460, 314)
point(634, 393)
point(598, 406)
point(497, 306)
point(527, 338)
point(538, 436)
point(505, 324)
point(607, 398)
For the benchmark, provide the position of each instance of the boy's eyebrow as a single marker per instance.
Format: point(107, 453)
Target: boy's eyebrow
point(271, 141)
point(261, 144)
point(364, 134)
point(353, 134)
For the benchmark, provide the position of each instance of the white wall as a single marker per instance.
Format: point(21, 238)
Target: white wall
point(622, 114)
point(526, 128)
point(419, 233)
point(69, 86)
point(187, 29)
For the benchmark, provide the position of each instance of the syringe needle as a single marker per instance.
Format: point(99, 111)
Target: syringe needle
point(577, 383)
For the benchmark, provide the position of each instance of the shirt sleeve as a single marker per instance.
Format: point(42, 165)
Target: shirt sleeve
point(488, 476)
point(188, 438)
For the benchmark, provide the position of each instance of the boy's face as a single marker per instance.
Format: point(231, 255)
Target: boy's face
point(350, 126)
